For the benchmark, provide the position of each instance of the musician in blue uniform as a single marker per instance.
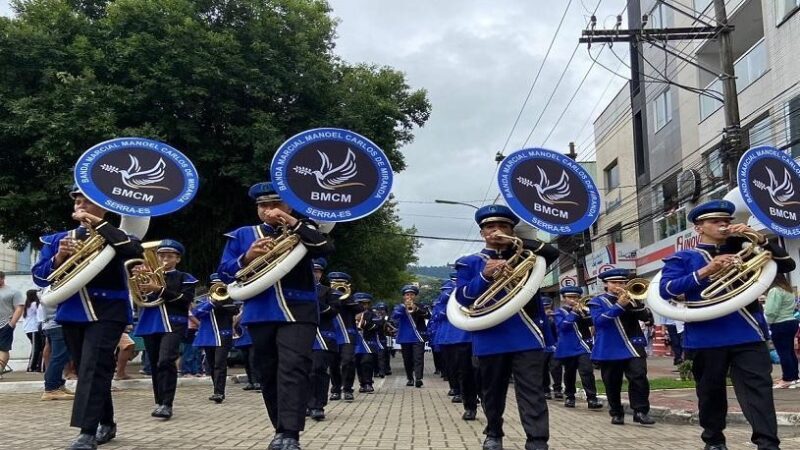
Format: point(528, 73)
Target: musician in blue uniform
point(385, 334)
point(437, 333)
point(619, 347)
point(379, 344)
point(282, 320)
point(410, 319)
point(325, 344)
point(457, 349)
point(243, 341)
point(366, 341)
point(93, 319)
point(215, 337)
point(165, 326)
point(574, 347)
point(734, 343)
point(554, 369)
point(514, 346)
point(343, 368)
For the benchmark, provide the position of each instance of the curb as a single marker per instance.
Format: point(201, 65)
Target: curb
point(36, 387)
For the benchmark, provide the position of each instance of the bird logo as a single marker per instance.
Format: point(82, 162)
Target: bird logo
point(780, 193)
point(136, 178)
point(332, 178)
point(551, 194)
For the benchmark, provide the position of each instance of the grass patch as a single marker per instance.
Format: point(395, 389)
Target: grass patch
point(655, 383)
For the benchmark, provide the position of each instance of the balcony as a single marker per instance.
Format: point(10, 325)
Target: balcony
point(748, 68)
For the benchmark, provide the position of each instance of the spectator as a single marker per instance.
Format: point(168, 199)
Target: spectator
point(675, 338)
point(190, 360)
point(12, 306)
point(33, 329)
point(779, 311)
point(55, 387)
point(125, 349)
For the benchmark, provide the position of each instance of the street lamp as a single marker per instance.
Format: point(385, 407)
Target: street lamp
point(451, 202)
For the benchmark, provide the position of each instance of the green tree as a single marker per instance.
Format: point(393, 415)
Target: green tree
point(224, 81)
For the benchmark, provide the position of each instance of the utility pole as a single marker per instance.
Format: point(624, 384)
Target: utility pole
point(732, 142)
point(579, 240)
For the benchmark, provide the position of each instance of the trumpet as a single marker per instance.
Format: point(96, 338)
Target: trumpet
point(411, 307)
point(153, 274)
point(342, 286)
point(637, 291)
point(581, 306)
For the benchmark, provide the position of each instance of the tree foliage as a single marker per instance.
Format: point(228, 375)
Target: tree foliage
point(224, 81)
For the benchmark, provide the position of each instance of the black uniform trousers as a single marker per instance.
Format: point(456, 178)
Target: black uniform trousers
point(527, 368)
point(451, 370)
point(321, 362)
point(250, 367)
point(635, 370)
point(380, 361)
point(217, 363)
point(675, 343)
point(750, 370)
point(343, 369)
point(413, 359)
point(365, 364)
point(439, 364)
point(459, 366)
point(283, 353)
point(580, 364)
point(553, 370)
point(163, 350)
point(92, 348)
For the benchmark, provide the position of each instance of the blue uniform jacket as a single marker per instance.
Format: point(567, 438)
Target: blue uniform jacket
point(106, 296)
point(326, 338)
point(618, 334)
point(216, 324)
point(410, 326)
point(571, 341)
point(294, 297)
point(523, 331)
point(178, 295)
point(679, 277)
point(244, 339)
point(449, 334)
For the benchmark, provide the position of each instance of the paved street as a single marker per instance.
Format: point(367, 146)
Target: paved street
point(395, 417)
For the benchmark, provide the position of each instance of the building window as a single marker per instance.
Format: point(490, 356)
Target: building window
point(717, 194)
point(792, 125)
point(714, 166)
point(615, 233)
point(761, 133)
point(784, 9)
point(662, 110)
point(670, 224)
point(612, 175)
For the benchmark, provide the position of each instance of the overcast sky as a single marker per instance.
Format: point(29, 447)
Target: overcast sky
point(477, 60)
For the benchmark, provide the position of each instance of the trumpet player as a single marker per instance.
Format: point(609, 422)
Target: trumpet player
point(514, 346)
point(163, 327)
point(215, 337)
point(367, 344)
point(574, 347)
point(325, 345)
point(282, 320)
point(734, 343)
point(343, 368)
point(92, 320)
point(410, 320)
point(619, 347)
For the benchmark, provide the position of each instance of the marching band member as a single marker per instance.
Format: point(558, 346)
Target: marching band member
point(553, 365)
point(386, 335)
point(514, 346)
point(93, 319)
point(619, 347)
point(379, 350)
point(367, 334)
point(457, 350)
point(243, 341)
point(343, 370)
point(574, 348)
point(282, 320)
point(164, 327)
point(410, 320)
point(325, 344)
point(215, 337)
point(438, 330)
point(734, 343)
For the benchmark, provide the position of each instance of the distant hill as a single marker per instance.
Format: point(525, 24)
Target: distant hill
point(437, 272)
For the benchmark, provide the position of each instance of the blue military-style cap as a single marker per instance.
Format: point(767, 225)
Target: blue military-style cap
point(362, 297)
point(547, 301)
point(75, 190)
point(495, 213)
point(567, 290)
point(453, 275)
point(170, 245)
point(339, 276)
point(714, 209)
point(615, 275)
point(409, 288)
point(380, 305)
point(263, 193)
point(214, 277)
point(320, 263)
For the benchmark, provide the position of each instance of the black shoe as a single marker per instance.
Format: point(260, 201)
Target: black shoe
point(308, 412)
point(249, 387)
point(156, 411)
point(436, 372)
point(290, 444)
point(105, 433)
point(469, 414)
point(84, 441)
point(643, 418)
point(381, 375)
point(548, 396)
point(217, 398)
point(410, 383)
point(569, 402)
point(618, 420)
point(362, 389)
point(456, 399)
point(257, 387)
point(277, 442)
point(370, 389)
point(348, 397)
point(594, 403)
point(317, 414)
point(163, 412)
point(558, 395)
point(536, 446)
point(418, 383)
point(716, 447)
point(451, 392)
point(493, 443)
point(389, 372)
point(335, 396)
